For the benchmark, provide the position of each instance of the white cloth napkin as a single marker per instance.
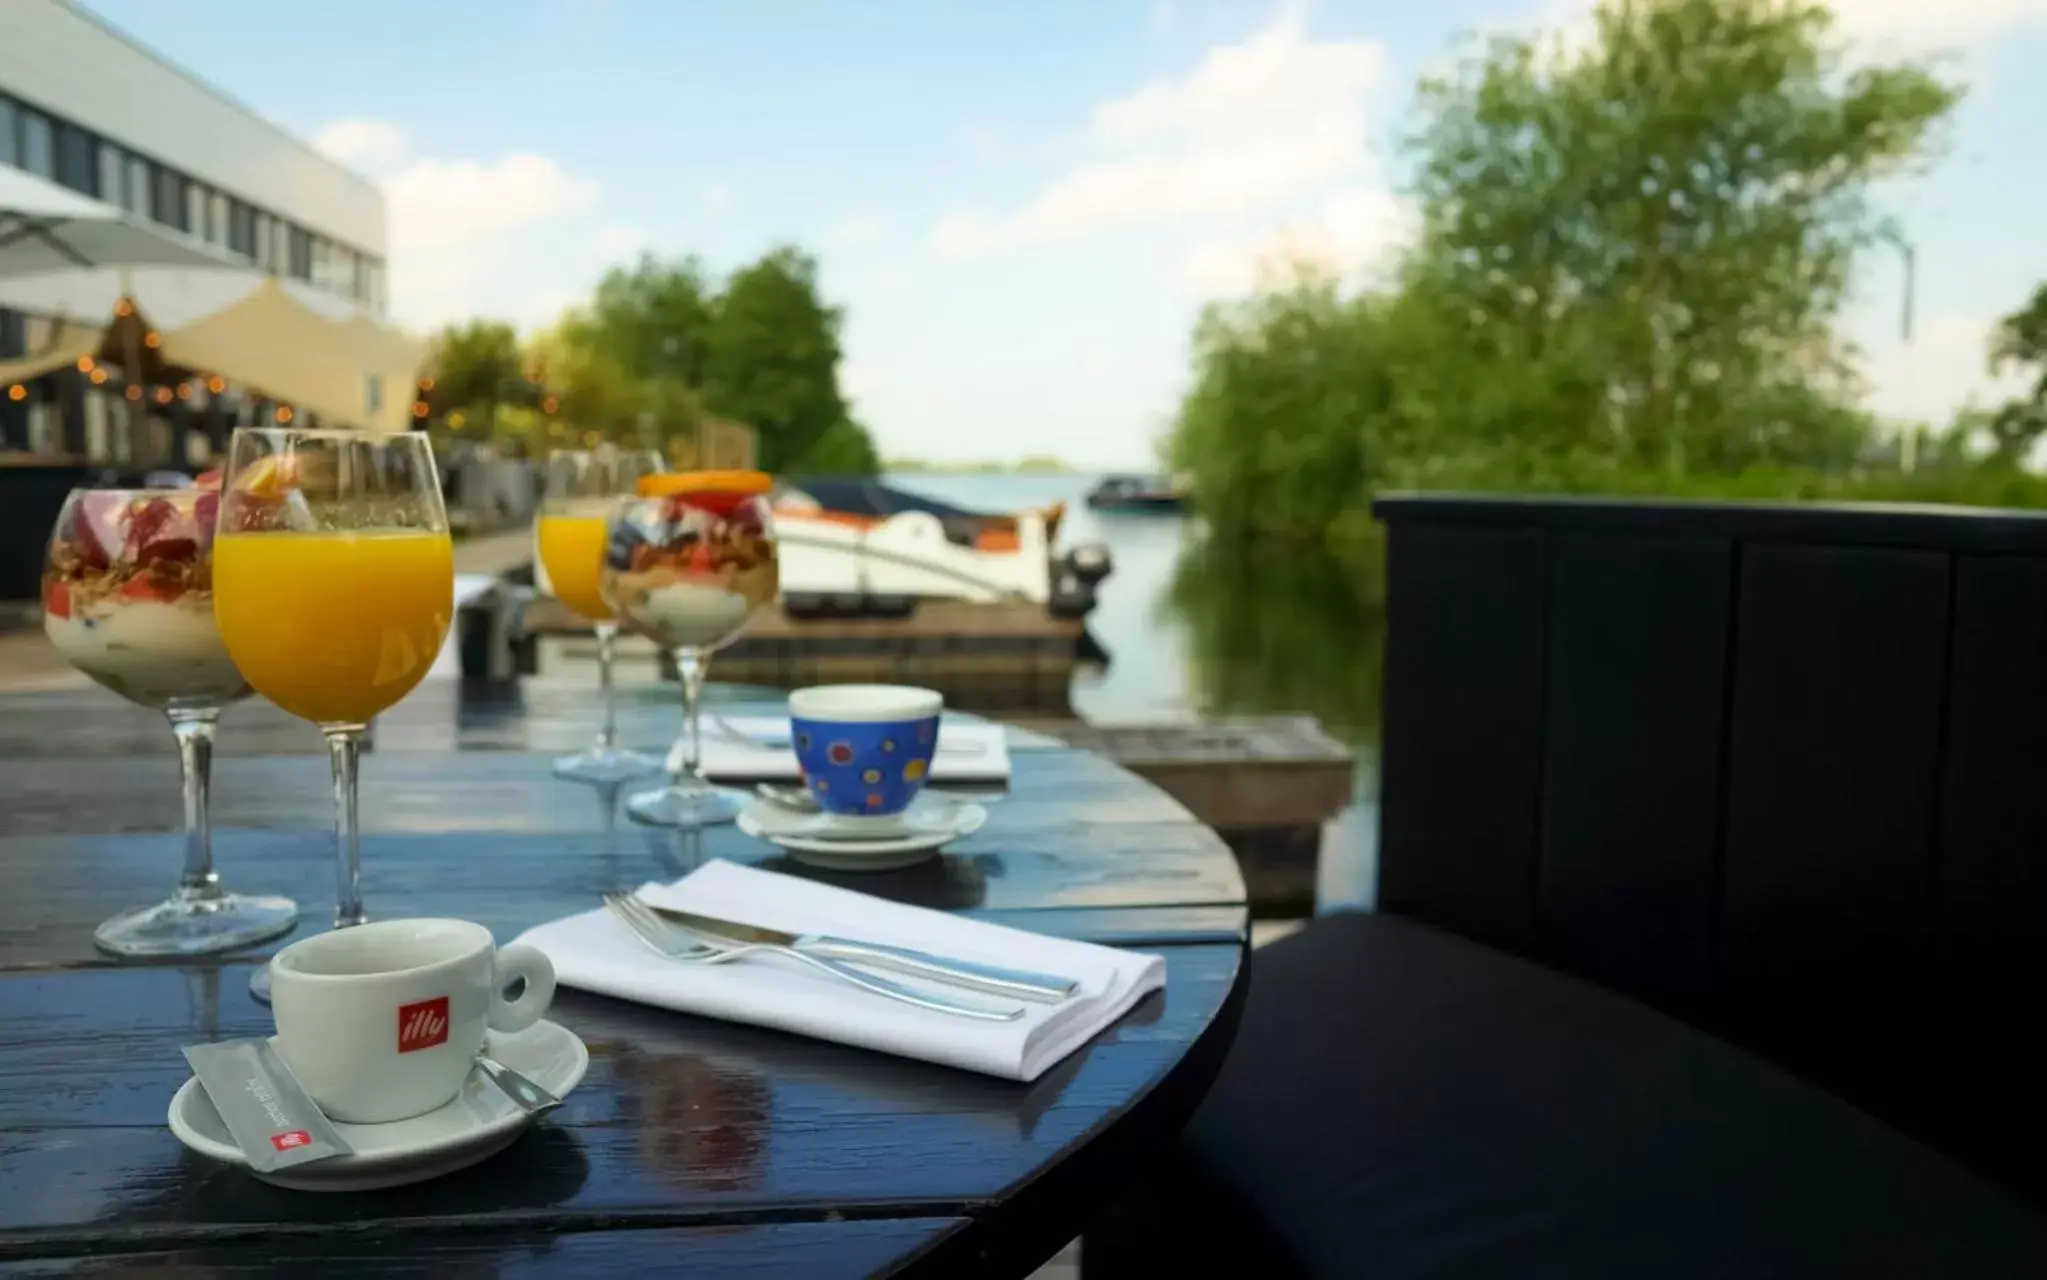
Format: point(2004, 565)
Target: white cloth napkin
point(966, 752)
point(596, 952)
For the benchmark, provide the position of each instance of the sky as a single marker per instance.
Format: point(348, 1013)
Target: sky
point(1020, 207)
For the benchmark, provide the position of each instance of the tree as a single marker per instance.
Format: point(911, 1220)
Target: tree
point(2020, 342)
point(477, 366)
point(772, 358)
point(1663, 223)
point(1630, 258)
point(845, 449)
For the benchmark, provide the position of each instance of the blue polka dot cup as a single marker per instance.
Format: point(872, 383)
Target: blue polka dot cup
point(865, 749)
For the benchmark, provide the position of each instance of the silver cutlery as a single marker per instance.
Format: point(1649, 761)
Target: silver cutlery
point(687, 948)
point(971, 975)
point(532, 1098)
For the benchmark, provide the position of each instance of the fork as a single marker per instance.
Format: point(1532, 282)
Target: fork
point(681, 945)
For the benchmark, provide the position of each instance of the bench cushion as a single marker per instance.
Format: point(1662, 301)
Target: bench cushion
point(1402, 1102)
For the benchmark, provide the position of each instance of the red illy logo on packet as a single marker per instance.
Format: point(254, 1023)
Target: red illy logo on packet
point(286, 1141)
point(422, 1025)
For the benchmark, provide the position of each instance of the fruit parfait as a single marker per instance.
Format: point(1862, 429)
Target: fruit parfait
point(686, 564)
point(128, 596)
point(128, 600)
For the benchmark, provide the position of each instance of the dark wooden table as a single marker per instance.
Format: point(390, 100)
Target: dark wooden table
point(692, 1144)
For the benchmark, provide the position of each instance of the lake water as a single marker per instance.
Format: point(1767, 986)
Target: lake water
point(1194, 628)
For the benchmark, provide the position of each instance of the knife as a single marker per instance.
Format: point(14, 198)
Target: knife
point(1022, 984)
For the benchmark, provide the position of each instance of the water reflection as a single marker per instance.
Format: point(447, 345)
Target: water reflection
point(1285, 628)
point(700, 1118)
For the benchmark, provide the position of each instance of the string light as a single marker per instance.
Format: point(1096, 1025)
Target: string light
point(134, 393)
point(184, 391)
point(216, 384)
point(163, 395)
point(152, 339)
point(17, 392)
point(550, 405)
point(284, 414)
point(98, 376)
point(85, 364)
point(457, 420)
point(124, 308)
point(419, 409)
point(426, 384)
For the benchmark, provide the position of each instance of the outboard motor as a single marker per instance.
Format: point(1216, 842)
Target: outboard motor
point(1089, 562)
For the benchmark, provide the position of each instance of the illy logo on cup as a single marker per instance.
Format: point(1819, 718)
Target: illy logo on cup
point(286, 1141)
point(422, 1025)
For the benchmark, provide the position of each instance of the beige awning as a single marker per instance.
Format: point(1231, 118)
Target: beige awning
point(350, 371)
point(52, 344)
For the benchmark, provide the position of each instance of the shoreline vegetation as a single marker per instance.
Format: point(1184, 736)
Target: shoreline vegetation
point(1630, 255)
point(1030, 465)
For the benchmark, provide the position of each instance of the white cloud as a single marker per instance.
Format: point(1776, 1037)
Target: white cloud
point(1943, 369)
point(615, 244)
point(1355, 228)
point(375, 147)
point(1924, 26)
point(1256, 127)
point(475, 237)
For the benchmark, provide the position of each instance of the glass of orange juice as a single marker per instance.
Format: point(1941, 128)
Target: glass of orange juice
point(333, 587)
point(579, 490)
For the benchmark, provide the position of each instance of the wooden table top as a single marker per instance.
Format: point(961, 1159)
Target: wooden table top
point(723, 1149)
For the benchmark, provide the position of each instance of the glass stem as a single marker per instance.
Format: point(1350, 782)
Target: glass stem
point(194, 731)
point(344, 748)
point(607, 644)
point(689, 664)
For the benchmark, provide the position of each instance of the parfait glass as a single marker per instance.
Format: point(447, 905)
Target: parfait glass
point(580, 489)
point(334, 585)
point(686, 564)
point(128, 600)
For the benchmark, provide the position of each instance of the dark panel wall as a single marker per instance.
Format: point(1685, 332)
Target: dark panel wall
point(1779, 770)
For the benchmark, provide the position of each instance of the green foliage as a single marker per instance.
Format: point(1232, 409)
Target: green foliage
point(661, 347)
point(845, 449)
point(771, 357)
point(1630, 261)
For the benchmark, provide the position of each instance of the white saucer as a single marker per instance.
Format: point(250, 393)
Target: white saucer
point(930, 823)
point(474, 1125)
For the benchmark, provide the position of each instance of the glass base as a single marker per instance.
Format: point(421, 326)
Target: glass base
point(259, 984)
point(686, 807)
point(604, 766)
point(197, 926)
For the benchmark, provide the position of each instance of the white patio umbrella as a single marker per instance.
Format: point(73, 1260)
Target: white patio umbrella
point(45, 228)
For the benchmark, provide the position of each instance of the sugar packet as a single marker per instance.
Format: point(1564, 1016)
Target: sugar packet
point(266, 1110)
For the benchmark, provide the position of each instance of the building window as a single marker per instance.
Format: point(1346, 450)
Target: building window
point(38, 143)
point(78, 161)
point(167, 203)
point(241, 229)
point(10, 124)
point(137, 191)
point(301, 260)
point(113, 175)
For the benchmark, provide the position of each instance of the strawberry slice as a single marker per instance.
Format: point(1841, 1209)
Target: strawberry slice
point(207, 481)
point(147, 523)
point(56, 598)
point(98, 527)
point(169, 551)
point(206, 514)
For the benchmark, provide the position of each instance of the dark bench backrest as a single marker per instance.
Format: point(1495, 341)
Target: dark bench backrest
point(1780, 770)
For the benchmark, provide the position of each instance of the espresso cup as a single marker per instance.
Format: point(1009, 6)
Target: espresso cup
point(384, 1021)
point(865, 749)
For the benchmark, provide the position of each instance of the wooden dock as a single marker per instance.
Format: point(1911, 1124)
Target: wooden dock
point(1266, 784)
point(990, 657)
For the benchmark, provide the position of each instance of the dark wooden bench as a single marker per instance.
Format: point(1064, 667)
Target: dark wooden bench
point(1714, 870)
